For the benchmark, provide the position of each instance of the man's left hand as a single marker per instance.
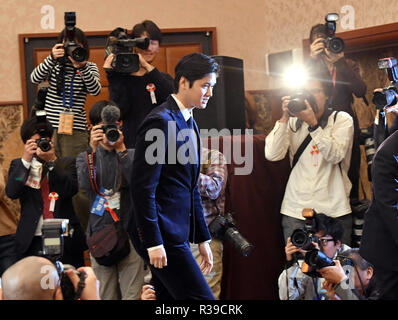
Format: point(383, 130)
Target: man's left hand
point(207, 257)
point(308, 115)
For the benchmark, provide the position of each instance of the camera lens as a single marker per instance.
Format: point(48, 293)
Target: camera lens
point(239, 242)
point(336, 45)
point(43, 144)
point(296, 105)
point(79, 54)
point(299, 238)
point(112, 135)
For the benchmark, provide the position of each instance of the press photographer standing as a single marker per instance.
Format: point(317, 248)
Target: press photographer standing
point(69, 82)
point(139, 92)
point(346, 81)
point(44, 185)
point(106, 177)
point(319, 142)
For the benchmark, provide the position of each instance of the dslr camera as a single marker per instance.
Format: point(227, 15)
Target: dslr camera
point(303, 238)
point(53, 233)
point(332, 43)
point(120, 44)
point(297, 104)
point(110, 116)
point(386, 97)
point(223, 228)
point(73, 49)
point(41, 123)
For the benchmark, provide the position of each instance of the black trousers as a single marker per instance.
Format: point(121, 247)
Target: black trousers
point(8, 254)
point(182, 278)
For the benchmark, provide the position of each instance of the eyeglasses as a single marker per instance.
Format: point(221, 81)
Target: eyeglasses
point(324, 242)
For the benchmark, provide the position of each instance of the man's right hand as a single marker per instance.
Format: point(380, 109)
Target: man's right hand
point(96, 136)
point(317, 47)
point(91, 289)
point(158, 258)
point(285, 110)
point(290, 249)
point(29, 150)
point(58, 51)
point(108, 61)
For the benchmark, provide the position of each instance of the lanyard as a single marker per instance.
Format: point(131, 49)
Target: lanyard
point(333, 75)
point(70, 92)
point(92, 174)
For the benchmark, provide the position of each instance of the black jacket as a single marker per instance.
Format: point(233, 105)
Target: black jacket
point(62, 180)
point(133, 99)
point(379, 244)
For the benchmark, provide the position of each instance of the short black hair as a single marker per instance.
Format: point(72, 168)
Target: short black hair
point(318, 29)
point(330, 226)
point(96, 109)
point(150, 28)
point(193, 67)
point(29, 128)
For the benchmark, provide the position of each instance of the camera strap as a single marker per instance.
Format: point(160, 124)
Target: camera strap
point(322, 122)
point(92, 175)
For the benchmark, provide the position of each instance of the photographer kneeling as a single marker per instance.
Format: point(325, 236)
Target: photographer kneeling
point(37, 278)
point(359, 285)
point(293, 283)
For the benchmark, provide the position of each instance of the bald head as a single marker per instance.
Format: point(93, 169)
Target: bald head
point(32, 278)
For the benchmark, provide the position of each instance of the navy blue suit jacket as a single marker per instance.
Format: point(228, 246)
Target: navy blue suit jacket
point(379, 242)
point(167, 202)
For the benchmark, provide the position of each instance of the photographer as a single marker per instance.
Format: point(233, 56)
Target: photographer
point(44, 185)
point(212, 182)
point(293, 283)
point(319, 142)
point(346, 80)
point(37, 278)
point(111, 165)
point(139, 92)
point(359, 287)
point(69, 83)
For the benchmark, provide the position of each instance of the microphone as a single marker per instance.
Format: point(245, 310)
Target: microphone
point(110, 114)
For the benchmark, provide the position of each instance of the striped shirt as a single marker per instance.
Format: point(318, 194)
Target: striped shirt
point(86, 80)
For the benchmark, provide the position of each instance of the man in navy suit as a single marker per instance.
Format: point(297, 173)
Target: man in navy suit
point(167, 202)
point(379, 243)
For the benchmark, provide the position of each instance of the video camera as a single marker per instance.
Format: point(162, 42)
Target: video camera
point(120, 44)
point(297, 104)
point(53, 233)
point(73, 49)
point(223, 228)
point(335, 45)
point(303, 238)
point(41, 121)
point(386, 98)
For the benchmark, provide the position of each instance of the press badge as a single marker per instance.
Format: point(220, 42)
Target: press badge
point(65, 125)
point(114, 201)
point(98, 207)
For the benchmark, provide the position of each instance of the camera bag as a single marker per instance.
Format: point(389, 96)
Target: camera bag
point(111, 244)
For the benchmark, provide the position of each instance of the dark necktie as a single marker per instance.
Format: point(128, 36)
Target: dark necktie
point(45, 191)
